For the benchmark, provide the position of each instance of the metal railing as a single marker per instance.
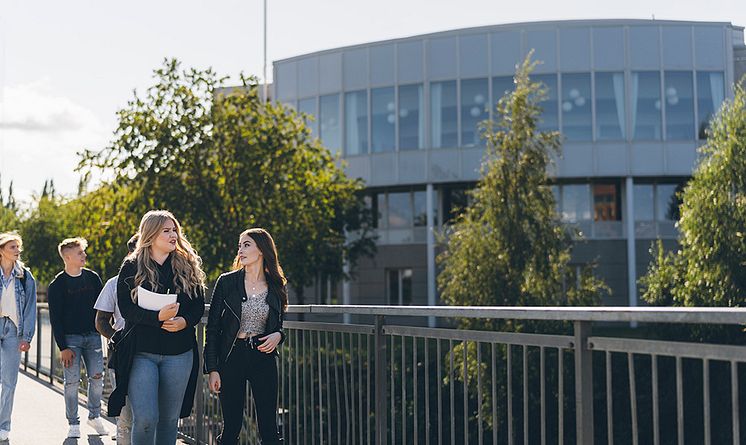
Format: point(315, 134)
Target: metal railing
point(387, 380)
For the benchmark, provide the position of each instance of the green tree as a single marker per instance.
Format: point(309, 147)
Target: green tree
point(709, 268)
point(9, 211)
point(222, 160)
point(508, 247)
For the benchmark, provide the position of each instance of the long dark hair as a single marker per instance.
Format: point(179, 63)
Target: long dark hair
point(276, 281)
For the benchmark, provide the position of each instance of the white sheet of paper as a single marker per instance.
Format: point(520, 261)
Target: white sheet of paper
point(153, 301)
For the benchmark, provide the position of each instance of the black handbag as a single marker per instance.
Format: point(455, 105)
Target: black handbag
point(114, 345)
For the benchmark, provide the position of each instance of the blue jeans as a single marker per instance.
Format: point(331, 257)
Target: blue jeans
point(156, 391)
point(87, 347)
point(10, 360)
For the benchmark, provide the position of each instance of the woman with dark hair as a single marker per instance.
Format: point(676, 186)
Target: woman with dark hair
point(243, 331)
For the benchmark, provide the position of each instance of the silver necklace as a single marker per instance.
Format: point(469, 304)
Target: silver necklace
point(253, 291)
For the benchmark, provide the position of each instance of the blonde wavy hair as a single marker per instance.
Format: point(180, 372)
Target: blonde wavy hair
point(7, 237)
point(185, 263)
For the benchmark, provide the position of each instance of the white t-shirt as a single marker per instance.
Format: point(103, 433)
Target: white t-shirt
point(8, 306)
point(107, 302)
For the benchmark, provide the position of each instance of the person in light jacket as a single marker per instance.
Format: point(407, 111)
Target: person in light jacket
point(17, 321)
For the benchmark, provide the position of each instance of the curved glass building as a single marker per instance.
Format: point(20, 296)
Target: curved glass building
point(632, 99)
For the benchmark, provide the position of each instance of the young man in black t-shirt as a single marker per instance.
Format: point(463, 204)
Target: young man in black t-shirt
point(72, 294)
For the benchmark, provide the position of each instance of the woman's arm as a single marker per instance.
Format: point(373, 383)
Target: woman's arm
point(129, 309)
point(196, 309)
point(213, 329)
point(29, 311)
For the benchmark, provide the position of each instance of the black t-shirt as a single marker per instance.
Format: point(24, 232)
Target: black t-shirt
point(71, 301)
point(147, 328)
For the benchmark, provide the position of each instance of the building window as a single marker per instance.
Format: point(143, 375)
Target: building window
point(399, 286)
point(576, 107)
point(549, 119)
point(576, 205)
point(606, 202)
point(610, 115)
point(356, 122)
point(710, 96)
point(330, 131)
point(399, 210)
point(667, 202)
point(411, 117)
point(501, 86)
point(656, 209)
point(455, 200)
point(646, 105)
point(679, 103)
point(443, 114)
point(308, 106)
point(380, 210)
point(383, 120)
point(474, 110)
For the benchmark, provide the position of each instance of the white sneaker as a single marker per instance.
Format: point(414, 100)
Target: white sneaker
point(98, 425)
point(73, 432)
point(4, 434)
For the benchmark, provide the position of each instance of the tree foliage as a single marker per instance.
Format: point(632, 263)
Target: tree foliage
point(509, 248)
point(223, 160)
point(709, 268)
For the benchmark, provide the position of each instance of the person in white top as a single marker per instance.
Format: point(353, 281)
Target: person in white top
point(17, 321)
point(108, 322)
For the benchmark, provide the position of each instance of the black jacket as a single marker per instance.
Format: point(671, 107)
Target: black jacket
point(138, 329)
point(224, 319)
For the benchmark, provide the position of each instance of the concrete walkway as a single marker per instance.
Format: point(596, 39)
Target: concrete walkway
point(39, 417)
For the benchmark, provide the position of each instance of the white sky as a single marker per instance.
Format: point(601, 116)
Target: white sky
point(67, 66)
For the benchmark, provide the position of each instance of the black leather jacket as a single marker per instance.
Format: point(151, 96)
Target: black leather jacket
point(224, 319)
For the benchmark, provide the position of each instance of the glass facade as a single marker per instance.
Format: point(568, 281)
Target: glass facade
point(646, 106)
point(576, 107)
point(383, 120)
point(443, 114)
point(411, 117)
point(474, 110)
point(308, 106)
point(356, 122)
point(610, 110)
point(679, 103)
point(549, 120)
point(329, 122)
point(656, 209)
point(433, 92)
point(710, 96)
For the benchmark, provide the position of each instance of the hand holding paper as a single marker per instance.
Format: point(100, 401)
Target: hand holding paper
point(168, 312)
point(154, 301)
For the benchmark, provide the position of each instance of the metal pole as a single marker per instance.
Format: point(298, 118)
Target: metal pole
point(431, 292)
point(629, 185)
point(199, 411)
point(264, 69)
point(583, 384)
point(381, 414)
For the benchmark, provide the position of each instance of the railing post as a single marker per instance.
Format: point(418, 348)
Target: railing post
point(51, 353)
point(199, 410)
point(381, 366)
point(38, 340)
point(583, 384)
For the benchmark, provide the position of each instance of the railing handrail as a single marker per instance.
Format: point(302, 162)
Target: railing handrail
point(688, 315)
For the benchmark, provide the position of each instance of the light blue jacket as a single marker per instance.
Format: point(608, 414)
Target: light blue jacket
point(25, 302)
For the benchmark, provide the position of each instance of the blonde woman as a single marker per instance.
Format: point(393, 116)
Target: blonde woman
point(17, 321)
point(157, 355)
point(244, 329)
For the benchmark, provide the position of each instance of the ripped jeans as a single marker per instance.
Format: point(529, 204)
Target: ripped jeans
point(89, 348)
